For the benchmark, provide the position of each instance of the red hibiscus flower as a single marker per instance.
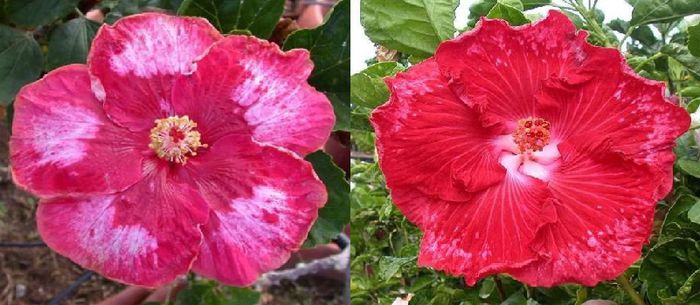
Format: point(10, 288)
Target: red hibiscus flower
point(173, 148)
point(527, 151)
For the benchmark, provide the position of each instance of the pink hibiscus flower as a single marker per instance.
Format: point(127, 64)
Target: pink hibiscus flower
point(528, 151)
point(173, 148)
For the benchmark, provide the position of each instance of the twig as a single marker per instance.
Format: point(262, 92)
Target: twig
point(627, 286)
point(29, 244)
point(70, 290)
point(499, 287)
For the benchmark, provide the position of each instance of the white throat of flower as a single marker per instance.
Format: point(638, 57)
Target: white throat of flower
point(528, 150)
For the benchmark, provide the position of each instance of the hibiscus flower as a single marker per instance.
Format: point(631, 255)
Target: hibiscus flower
point(528, 151)
point(173, 148)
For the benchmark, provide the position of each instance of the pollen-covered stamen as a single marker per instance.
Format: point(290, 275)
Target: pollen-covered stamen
point(532, 134)
point(175, 139)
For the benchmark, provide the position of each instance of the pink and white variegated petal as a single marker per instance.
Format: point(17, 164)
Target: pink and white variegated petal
point(147, 235)
point(245, 79)
point(62, 143)
point(263, 202)
point(135, 61)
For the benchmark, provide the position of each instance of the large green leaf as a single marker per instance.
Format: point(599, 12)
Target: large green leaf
point(413, 27)
point(20, 62)
point(694, 39)
point(70, 42)
point(329, 45)
point(659, 11)
point(259, 17)
point(367, 88)
point(677, 222)
point(33, 13)
point(668, 266)
point(680, 53)
point(690, 167)
point(508, 10)
point(333, 217)
point(483, 7)
point(388, 265)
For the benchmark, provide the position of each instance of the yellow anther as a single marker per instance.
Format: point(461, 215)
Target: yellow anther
point(175, 139)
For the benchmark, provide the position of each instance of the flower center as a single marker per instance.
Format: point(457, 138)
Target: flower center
point(175, 139)
point(532, 134)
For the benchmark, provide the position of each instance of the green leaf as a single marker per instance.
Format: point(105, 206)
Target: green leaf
point(660, 11)
point(20, 62)
point(694, 213)
point(487, 287)
point(508, 10)
point(329, 45)
point(414, 27)
point(691, 91)
point(333, 217)
point(123, 8)
point(681, 55)
point(530, 4)
point(242, 296)
point(367, 88)
point(694, 40)
point(668, 266)
point(389, 266)
point(259, 17)
point(690, 167)
point(483, 7)
point(341, 108)
point(33, 13)
point(198, 293)
point(70, 42)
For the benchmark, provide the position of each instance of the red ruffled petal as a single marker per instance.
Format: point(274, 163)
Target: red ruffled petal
point(628, 113)
point(147, 235)
point(135, 61)
point(247, 83)
point(608, 162)
point(500, 69)
point(604, 213)
point(263, 200)
point(488, 234)
point(62, 143)
point(427, 138)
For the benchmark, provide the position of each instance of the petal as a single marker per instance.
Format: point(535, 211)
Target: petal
point(488, 234)
point(62, 143)
point(429, 139)
point(628, 112)
point(135, 62)
point(604, 213)
point(251, 82)
point(264, 201)
point(500, 69)
point(147, 235)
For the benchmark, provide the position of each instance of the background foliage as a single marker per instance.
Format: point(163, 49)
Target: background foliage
point(37, 36)
point(659, 43)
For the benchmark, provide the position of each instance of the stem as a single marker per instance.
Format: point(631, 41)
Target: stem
point(581, 295)
point(79, 12)
point(499, 287)
point(627, 286)
point(653, 57)
point(589, 16)
point(627, 35)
